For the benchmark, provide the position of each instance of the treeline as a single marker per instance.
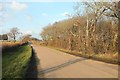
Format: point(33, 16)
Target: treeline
point(95, 32)
point(15, 35)
point(72, 34)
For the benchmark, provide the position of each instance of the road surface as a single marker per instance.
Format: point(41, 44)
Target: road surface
point(56, 64)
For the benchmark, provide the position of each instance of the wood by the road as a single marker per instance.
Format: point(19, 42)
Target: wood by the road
point(56, 64)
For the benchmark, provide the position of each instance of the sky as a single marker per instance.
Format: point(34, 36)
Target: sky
point(32, 17)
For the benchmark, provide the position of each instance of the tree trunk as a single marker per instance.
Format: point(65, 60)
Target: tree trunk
point(87, 35)
point(14, 38)
point(69, 47)
point(118, 31)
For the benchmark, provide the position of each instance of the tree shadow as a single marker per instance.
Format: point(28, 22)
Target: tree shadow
point(32, 71)
point(58, 67)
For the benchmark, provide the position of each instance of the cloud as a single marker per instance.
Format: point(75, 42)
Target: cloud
point(65, 14)
point(44, 14)
point(1, 6)
point(6, 17)
point(29, 17)
point(18, 6)
point(27, 32)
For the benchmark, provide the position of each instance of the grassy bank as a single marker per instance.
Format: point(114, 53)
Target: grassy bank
point(10, 46)
point(15, 63)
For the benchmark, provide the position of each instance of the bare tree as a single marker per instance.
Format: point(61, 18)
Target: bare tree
point(26, 37)
point(94, 32)
point(13, 33)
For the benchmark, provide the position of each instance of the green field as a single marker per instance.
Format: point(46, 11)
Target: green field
point(15, 63)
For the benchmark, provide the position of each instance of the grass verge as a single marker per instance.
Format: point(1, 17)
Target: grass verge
point(15, 63)
point(99, 57)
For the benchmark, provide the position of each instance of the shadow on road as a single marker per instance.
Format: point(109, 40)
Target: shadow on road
point(60, 66)
point(32, 71)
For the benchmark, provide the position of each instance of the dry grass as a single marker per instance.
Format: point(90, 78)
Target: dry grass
point(108, 58)
point(10, 45)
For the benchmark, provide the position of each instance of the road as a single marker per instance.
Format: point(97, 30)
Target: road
point(55, 64)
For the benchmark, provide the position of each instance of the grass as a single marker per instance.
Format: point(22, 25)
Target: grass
point(15, 63)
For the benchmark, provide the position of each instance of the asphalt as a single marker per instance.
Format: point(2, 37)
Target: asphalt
point(52, 63)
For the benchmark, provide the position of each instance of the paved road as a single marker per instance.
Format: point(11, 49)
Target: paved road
point(56, 64)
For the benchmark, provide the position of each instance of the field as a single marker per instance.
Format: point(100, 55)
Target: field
point(15, 62)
